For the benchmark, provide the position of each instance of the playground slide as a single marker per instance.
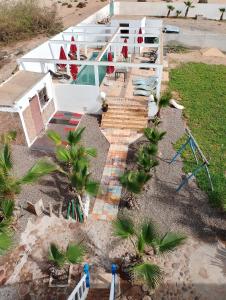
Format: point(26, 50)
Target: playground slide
point(175, 104)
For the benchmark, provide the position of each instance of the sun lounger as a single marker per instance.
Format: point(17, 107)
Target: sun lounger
point(143, 87)
point(142, 93)
point(147, 81)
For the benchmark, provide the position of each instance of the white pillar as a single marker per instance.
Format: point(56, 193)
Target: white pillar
point(96, 73)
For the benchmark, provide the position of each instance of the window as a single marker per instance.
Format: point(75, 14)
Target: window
point(43, 96)
point(150, 40)
point(124, 31)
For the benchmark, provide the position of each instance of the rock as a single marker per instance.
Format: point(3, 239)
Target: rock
point(146, 298)
point(203, 273)
point(3, 55)
point(175, 266)
point(23, 290)
point(145, 288)
point(81, 5)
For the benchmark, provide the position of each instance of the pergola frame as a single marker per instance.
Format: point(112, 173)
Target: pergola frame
point(107, 44)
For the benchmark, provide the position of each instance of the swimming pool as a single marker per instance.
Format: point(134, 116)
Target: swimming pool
point(87, 77)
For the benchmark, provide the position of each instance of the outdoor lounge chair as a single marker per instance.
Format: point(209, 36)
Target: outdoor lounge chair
point(142, 93)
point(148, 81)
point(144, 87)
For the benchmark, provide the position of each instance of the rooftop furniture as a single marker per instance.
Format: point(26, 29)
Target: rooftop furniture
point(121, 71)
point(145, 80)
point(143, 87)
point(142, 93)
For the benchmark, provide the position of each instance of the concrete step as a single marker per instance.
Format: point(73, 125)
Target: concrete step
point(135, 127)
point(98, 294)
point(124, 121)
point(126, 112)
point(128, 107)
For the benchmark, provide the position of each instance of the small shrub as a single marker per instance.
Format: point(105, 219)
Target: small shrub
point(25, 18)
point(70, 6)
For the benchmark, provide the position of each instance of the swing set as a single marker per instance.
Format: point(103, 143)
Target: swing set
point(196, 152)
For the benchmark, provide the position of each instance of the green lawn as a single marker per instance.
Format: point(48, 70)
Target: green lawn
point(203, 91)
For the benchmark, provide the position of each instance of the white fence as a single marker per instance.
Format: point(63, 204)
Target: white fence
point(159, 9)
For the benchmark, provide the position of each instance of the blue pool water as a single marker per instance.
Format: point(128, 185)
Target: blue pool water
point(86, 75)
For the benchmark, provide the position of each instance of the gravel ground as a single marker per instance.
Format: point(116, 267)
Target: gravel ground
point(187, 211)
point(54, 188)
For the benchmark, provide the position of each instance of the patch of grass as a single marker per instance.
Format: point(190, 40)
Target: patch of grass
point(25, 18)
point(203, 91)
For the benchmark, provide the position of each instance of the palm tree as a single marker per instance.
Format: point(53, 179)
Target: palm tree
point(170, 8)
point(75, 160)
point(74, 254)
point(10, 185)
point(134, 181)
point(143, 236)
point(164, 101)
point(222, 10)
point(153, 135)
point(145, 160)
point(178, 12)
point(188, 4)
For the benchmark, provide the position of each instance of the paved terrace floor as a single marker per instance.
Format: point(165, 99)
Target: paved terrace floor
point(121, 124)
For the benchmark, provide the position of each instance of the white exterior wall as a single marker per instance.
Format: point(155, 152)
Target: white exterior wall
point(23, 102)
point(77, 98)
point(159, 9)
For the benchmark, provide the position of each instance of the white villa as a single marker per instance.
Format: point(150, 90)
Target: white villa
point(39, 90)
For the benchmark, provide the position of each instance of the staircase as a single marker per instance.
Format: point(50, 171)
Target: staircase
point(124, 113)
point(96, 286)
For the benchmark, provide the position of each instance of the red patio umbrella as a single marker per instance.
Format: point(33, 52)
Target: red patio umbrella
point(110, 69)
point(74, 71)
point(73, 47)
point(62, 57)
point(140, 38)
point(125, 50)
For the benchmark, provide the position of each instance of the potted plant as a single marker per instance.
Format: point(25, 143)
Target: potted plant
point(61, 261)
point(146, 243)
point(104, 106)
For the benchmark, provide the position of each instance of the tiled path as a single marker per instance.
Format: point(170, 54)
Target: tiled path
point(106, 204)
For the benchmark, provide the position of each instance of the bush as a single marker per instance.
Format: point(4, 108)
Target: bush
point(25, 18)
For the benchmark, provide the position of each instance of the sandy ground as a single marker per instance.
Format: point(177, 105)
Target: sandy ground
point(194, 56)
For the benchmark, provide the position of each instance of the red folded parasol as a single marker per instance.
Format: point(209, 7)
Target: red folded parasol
point(140, 38)
point(73, 47)
point(74, 71)
point(62, 57)
point(125, 50)
point(110, 69)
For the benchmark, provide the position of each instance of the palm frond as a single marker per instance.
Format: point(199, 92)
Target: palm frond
point(75, 136)
point(75, 253)
point(8, 137)
point(149, 232)
point(56, 256)
point(140, 243)
point(92, 187)
point(7, 207)
point(5, 242)
point(63, 154)
point(91, 152)
point(169, 242)
point(149, 273)
point(55, 137)
point(151, 149)
point(4, 226)
point(123, 227)
point(5, 159)
point(40, 169)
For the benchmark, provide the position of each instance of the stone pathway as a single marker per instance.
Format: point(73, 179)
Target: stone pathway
point(106, 203)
